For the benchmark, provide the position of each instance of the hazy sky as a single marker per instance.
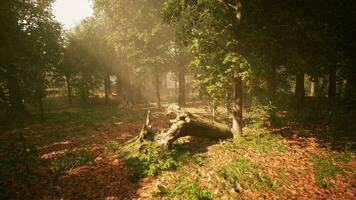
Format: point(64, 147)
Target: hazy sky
point(71, 12)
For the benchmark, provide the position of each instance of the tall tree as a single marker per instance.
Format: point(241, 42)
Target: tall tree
point(30, 48)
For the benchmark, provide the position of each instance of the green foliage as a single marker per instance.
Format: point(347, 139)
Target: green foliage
point(244, 174)
point(259, 116)
point(343, 158)
point(325, 170)
point(264, 143)
point(186, 188)
point(340, 123)
point(111, 147)
point(71, 159)
point(30, 49)
point(141, 41)
point(19, 160)
point(152, 161)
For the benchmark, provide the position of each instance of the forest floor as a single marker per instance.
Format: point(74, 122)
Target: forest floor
point(76, 154)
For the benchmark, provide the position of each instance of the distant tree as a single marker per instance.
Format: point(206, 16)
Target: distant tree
point(29, 49)
point(140, 40)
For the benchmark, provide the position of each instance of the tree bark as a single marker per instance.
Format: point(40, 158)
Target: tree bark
point(106, 87)
point(84, 87)
point(125, 85)
point(181, 79)
point(186, 124)
point(109, 86)
point(312, 89)
point(237, 120)
point(118, 86)
point(69, 89)
point(40, 103)
point(158, 95)
point(165, 81)
point(272, 85)
point(299, 90)
point(332, 83)
point(350, 89)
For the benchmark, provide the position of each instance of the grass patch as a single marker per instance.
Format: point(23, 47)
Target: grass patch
point(283, 176)
point(264, 143)
point(111, 147)
point(90, 116)
point(71, 159)
point(185, 188)
point(244, 174)
point(325, 170)
point(341, 158)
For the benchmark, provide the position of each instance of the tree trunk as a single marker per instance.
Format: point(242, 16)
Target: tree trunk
point(69, 89)
point(312, 89)
point(16, 102)
point(332, 83)
point(84, 87)
point(350, 89)
point(185, 124)
point(237, 120)
point(165, 82)
point(125, 85)
point(272, 85)
point(2, 93)
point(176, 84)
point(106, 87)
point(158, 95)
point(40, 103)
point(109, 86)
point(181, 79)
point(118, 86)
point(299, 91)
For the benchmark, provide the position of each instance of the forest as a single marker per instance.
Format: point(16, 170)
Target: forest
point(179, 99)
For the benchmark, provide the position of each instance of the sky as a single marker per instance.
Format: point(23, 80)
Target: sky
point(71, 12)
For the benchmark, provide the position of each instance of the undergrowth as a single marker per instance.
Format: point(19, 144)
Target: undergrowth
point(111, 147)
point(184, 188)
point(244, 174)
point(71, 159)
point(261, 143)
point(153, 160)
point(19, 163)
point(327, 169)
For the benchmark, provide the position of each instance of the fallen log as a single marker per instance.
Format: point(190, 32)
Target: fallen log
point(147, 133)
point(186, 124)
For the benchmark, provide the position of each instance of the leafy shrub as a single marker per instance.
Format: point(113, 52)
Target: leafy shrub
point(259, 116)
point(186, 188)
point(341, 124)
point(152, 161)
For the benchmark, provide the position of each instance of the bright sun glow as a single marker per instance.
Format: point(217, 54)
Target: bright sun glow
point(71, 12)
